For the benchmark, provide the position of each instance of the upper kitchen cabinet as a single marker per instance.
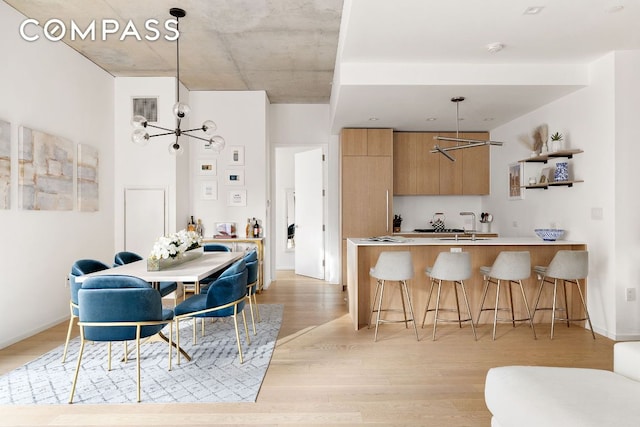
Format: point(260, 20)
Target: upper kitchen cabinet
point(366, 142)
point(418, 171)
point(476, 163)
point(450, 171)
point(415, 169)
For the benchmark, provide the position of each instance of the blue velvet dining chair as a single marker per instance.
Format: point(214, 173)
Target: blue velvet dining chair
point(215, 247)
point(205, 282)
point(119, 308)
point(251, 259)
point(79, 268)
point(165, 288)
point(225, 298)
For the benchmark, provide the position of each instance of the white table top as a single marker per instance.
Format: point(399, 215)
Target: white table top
point(190, 271)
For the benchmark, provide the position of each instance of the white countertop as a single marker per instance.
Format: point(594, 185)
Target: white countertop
point(466, 241)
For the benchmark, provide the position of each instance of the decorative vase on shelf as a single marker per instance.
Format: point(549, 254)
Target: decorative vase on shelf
point(562, 172)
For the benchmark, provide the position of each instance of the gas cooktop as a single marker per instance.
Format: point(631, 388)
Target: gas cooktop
point(443, 230)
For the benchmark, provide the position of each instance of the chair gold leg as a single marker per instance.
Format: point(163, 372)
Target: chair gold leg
point(466, 302)
point(235, 323)
point(373, 302)
point(109, 356)
point(526, 305)
point(484, 296)
point(435, 317)
point(375, 336)
point(170, 324)
point(495, 309)
point(177, 320)
point(255, 300)
point(66, 343)
point(253, 320)
point(426, 309)
point(246, 329)
point(413, 317)
point(138, 328)
point(553, 308)
point(75, 376)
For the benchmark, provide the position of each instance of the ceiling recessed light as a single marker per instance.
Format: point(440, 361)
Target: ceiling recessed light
point(431, 119)
point(533, 10)
point(488, 119)
point(495, 47)
point(614, 8)
point(373, 119)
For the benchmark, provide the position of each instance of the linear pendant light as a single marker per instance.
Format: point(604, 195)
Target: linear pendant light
point(462, 142)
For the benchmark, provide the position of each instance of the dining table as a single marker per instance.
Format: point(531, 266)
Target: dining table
point(195, 266)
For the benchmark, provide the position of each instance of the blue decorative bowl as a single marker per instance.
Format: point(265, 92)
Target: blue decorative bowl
point(549, 234)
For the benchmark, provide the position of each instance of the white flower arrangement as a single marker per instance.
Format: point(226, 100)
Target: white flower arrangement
point(175, 244)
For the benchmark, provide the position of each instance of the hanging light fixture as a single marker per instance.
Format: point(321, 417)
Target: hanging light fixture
point(181, 110)
point(462, 142)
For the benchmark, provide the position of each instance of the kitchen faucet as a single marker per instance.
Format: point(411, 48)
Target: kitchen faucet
point(473, 230)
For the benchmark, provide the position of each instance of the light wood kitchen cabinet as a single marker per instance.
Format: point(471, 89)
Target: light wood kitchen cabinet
point(415, 168)
point(366, 180)
point(476, 167)
point(417, 171)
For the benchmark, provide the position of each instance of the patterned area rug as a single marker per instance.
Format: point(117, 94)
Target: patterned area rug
point(213, 375)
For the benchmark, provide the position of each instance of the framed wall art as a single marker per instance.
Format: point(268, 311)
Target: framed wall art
point(87, 177)
point(45, 171)
point(209, 190)
point(516, 181)
point(5, 165)
point(207, 167)
point(236, 155)
point(237, 198)
point(234, 177)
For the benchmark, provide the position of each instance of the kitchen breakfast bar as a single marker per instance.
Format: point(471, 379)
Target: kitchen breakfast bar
point(362, 254)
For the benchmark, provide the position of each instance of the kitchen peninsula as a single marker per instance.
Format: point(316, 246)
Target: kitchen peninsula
point(362, 254)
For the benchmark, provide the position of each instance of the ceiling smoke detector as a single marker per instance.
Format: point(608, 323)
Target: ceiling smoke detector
point(495, 47)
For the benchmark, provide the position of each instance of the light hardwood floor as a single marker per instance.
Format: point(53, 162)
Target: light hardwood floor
point(324, 373)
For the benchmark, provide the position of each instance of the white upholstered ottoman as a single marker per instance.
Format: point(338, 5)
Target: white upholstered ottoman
point(545, 396)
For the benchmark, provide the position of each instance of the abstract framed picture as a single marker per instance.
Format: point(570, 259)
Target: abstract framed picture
point(234, 177)
point(209, 190)
point(87, 178)
point(5, 165)
point(236, 155)
point(45, 171)
point(516, 181)
point(207, 167)
point(237, 198)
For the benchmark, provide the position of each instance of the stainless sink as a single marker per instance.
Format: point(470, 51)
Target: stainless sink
point(465, 238)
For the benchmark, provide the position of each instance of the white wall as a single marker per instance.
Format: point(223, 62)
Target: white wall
point(300, 125)
point(149, 166)
point(627, 231)
point(417, 211)
point(242, 121)
point(48, 86)
point(598, 119)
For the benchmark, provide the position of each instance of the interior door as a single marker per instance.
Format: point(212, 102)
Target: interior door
point(309, 214)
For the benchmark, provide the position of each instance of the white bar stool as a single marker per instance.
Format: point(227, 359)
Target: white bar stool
point(454, 267)
point(396, 267)
point(570, 267)
point(511, 266)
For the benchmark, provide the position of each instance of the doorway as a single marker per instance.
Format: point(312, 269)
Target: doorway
point(289, 238)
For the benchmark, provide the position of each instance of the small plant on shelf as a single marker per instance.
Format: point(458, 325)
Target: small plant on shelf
point(556, 137)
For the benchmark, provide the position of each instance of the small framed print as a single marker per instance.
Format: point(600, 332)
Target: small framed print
point(516, 181)
point(209, 190)
point(236, 155)
point(235, 177)
point(207, 167)
point(237, 198)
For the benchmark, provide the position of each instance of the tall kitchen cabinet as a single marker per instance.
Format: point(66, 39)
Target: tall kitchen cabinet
point(366, 184)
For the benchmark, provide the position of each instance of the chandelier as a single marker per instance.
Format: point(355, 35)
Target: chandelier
point(181, 110)
point(462, 142)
